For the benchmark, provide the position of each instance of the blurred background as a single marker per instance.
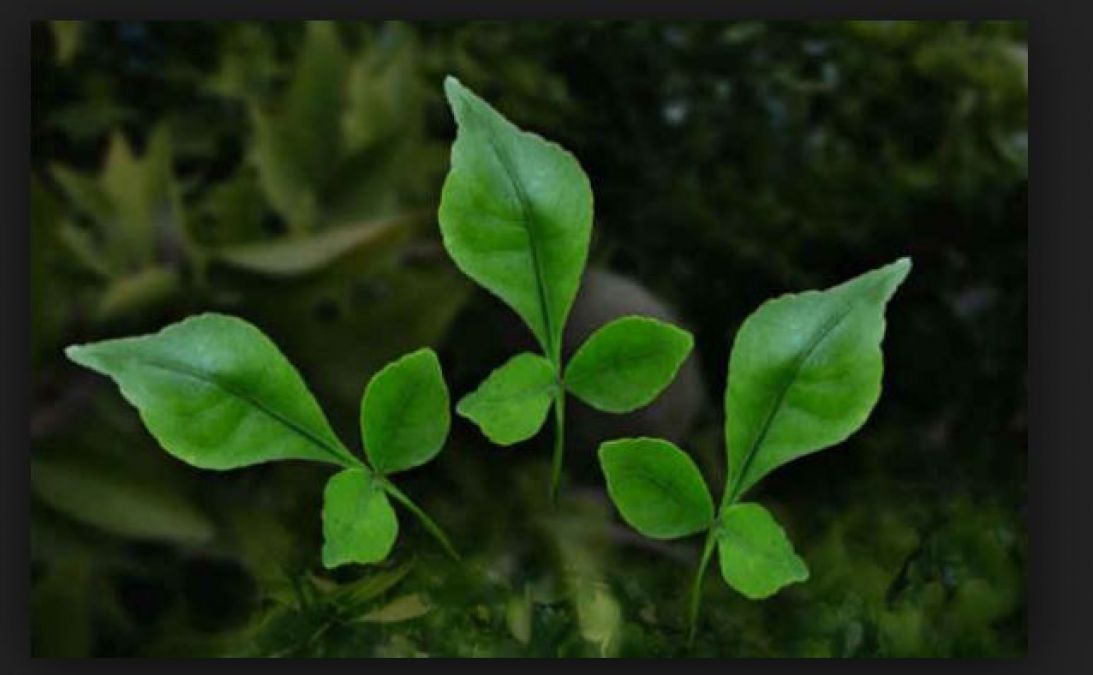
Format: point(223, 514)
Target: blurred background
point(289, 173)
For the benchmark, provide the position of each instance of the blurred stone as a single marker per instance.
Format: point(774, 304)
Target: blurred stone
point(605, 296)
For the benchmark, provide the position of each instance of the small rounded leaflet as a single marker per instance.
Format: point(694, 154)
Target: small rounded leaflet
point(512, 403)
point(625, 364)
point(756, 557)
point(404, 413)
point(656, 487)
point(359, 525)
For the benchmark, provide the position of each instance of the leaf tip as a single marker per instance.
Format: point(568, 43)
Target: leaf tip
point(73, 352)
point(82, 355)
point(898, 270)
point(453, 88)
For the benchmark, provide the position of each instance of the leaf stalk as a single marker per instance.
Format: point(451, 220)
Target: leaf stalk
point(426, 521)
point(559, 444)
point(696, 587)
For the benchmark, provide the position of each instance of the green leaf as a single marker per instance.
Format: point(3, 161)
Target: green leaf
point(367, 183)
point(400, 609)
point(756, 557)
point(656, 487)
point(404, 413)
point(385, 91)
point(296, 256)
point(84, 192)
point(518, 615)
point(512, 403)
point(66, 40)
point(516, 215)
point(359, 525)
point(78, 243)
point(291, 192)
point(117, 503)
point(313, 106)
point(297, 147)
point(216, 393)
point(138, 188)
point(128, 295)
point(804, 373)
point(354, 596)
point(627, 363)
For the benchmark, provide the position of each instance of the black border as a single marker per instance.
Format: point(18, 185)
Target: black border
point(1061, 237)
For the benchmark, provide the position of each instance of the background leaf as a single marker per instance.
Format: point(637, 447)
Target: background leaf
point(512, 403)
point(359, 525)
point(402, 608)
point(297, 146)
point(119, 504)
point(516, 215)
point(656, 487)
point(216, 393)
point(756, 557)
point(138, 291)
point(627, 363)
point(293, 256)
point(805, 372)
point(404, 413)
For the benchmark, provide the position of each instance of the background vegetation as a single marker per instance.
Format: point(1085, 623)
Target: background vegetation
point(289, 173)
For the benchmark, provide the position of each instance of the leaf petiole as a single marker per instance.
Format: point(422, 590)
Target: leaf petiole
point(696, 587)
point(559, 443)
point(426, 521)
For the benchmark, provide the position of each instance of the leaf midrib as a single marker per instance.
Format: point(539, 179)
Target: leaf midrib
point(314, 439)
point(395, 426)
point(779, 398)
point(668, 488)
point(527, 219)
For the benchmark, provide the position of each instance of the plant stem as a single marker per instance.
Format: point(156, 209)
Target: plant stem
point(559, 444)
point(696, 588)
point(432, 527)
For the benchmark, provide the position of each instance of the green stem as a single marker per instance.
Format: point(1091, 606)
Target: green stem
point(559, 443)
point(413, 508)
point(696, 588)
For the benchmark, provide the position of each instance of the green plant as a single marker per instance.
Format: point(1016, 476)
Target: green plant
point(516, 216)
point(804, 374)
point(130, 235)
point(218, 394)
